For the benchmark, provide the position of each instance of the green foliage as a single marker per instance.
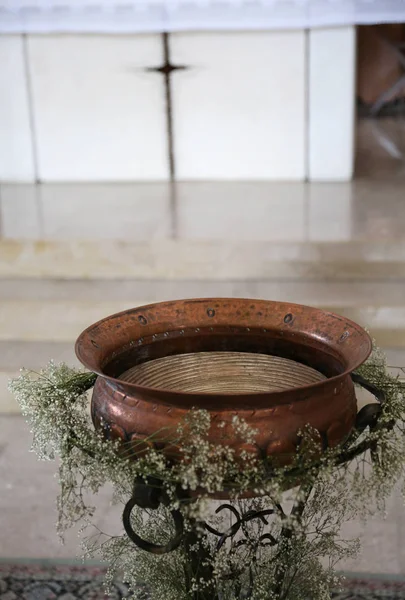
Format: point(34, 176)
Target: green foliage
point(291, 557)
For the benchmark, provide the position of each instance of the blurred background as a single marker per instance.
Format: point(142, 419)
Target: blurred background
point(155, 154)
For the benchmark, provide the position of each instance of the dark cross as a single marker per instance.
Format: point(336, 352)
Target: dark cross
point(166, 70)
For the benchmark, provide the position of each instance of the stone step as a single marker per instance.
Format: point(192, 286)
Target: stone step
point(199, 260)
point(128, 291)
point(63, 320)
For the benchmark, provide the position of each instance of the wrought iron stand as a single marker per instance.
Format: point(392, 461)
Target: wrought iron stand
point(150, 494)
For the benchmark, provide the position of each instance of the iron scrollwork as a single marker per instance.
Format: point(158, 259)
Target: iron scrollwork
point(253, 543)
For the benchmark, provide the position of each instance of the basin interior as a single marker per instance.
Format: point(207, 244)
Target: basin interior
point(219, 360)
point(222, 373)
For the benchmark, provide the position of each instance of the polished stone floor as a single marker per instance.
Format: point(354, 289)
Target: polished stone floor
point(71, 254)
point(205, 212)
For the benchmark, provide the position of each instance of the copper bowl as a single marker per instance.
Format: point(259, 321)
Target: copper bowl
point(279, 366)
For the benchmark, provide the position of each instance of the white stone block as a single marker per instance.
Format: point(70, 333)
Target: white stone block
point(239, 109)
point(332, 65)
point(100, 116)
point(16, 148)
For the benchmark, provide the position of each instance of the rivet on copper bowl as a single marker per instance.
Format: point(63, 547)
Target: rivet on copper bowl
point(279, 366)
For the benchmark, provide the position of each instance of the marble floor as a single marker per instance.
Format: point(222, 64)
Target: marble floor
point(70, 254)
point(201, 212)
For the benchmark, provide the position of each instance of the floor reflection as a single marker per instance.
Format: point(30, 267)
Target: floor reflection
point(271, 212)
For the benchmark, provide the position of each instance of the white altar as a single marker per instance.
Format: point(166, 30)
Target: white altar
point(92, 90)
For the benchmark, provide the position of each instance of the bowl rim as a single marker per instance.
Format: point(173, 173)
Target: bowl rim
point(210, 395)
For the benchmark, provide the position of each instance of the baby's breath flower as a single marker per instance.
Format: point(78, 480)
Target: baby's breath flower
point(291, 553)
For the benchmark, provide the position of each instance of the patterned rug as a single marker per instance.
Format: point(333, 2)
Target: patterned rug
point(47, 581)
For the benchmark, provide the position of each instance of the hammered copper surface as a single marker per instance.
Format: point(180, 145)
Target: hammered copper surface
point(222, 372)
point(323, 342)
